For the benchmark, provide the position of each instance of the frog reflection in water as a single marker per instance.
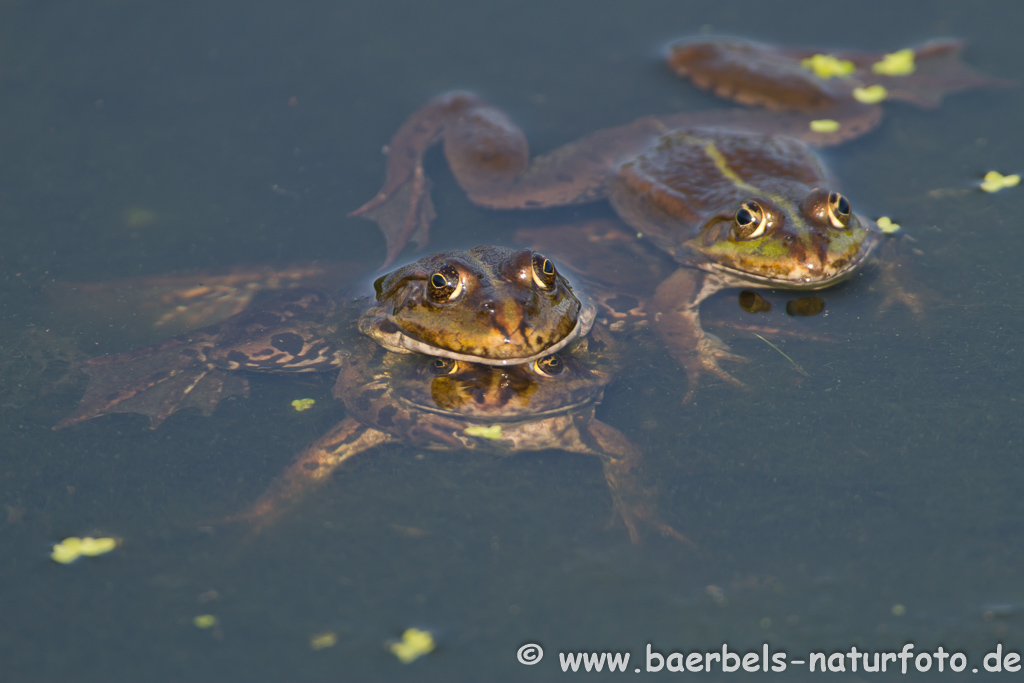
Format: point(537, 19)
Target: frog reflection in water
point(489, 304)
point(736, 197)
point(445, 404)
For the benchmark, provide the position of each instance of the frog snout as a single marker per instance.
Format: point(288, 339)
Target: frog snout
point(504, 317)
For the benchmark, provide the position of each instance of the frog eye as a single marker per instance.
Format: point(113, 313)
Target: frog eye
point(444, 366)
point(548, 366)
point(544, 272)
point(445, 284)
point(750, 221)
point(838, 210)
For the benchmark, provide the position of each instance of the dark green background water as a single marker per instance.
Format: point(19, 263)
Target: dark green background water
point(892, 475)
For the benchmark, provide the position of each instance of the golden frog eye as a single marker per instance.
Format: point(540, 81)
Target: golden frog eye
point(544, 272)
point(445, 284)
point(548, 366)
point(444, 366)
point(838, 210)
point(751, 221)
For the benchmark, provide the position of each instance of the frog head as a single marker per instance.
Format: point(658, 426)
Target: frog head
point(773, 241)
point(491, 305)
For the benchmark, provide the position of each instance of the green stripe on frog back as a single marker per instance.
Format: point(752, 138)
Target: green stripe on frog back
point(787, 207)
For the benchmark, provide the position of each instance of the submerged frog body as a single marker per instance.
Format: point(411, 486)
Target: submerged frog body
point(735, 197)
point(491, 304)
point(438, 401)
point(445, 404)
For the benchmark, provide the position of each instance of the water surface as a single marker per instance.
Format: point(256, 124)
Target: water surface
point(875, 502)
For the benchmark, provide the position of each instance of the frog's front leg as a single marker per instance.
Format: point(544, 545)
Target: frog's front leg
point(155, 381)
point(677, 320)
point(310, 468)
point(894, 266)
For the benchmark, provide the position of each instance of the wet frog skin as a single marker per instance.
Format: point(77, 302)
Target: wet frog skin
point(735, 197)
point(445, 404)
point(785, 229)
point(491, 304)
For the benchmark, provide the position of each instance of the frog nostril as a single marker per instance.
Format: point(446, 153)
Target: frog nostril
point(488, 307)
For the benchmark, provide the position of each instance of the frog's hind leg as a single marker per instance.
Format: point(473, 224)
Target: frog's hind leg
point(490, 158)
point(622, 460)
point(402, 208)
point(155, 381)
point(310, 468)
point(289, 333)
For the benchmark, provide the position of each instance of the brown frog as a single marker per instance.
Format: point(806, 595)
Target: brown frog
point(446, 404)
point(735, 197)
point(490, 304)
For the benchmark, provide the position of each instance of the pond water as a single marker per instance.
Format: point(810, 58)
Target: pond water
point(872, 503)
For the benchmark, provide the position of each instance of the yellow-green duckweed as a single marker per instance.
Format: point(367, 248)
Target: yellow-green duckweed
point(827, 66)
point(301, 404)
point(414, 644)
point(493, 432)
point(995, 181)
point(71, 548)
point(899, 63)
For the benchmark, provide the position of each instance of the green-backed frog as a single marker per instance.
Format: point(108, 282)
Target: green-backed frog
point(489, 304)
point(736, 197)
point(446, 404)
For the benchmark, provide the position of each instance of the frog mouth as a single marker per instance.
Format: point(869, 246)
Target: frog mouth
point(800, 277)
point(584, 321)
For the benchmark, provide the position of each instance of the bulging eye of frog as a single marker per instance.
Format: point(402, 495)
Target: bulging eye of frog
point(544, 274)
point(838, 210)
point(549, 366)
point(828, 209)
point(445, 285)
point(750, 222)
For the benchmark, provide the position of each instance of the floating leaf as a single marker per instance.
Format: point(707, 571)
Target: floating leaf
point(873, 94)
point(493, 432)
point(205, 621)
point(301, 404)
point(414, 644)
point(899, 63)
point(995, 181)
point(886, 225)
point(71, 548)
point(323, 640)
point(824, 125)
point(827, 66)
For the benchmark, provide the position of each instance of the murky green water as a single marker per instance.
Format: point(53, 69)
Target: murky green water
point(138, 139)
